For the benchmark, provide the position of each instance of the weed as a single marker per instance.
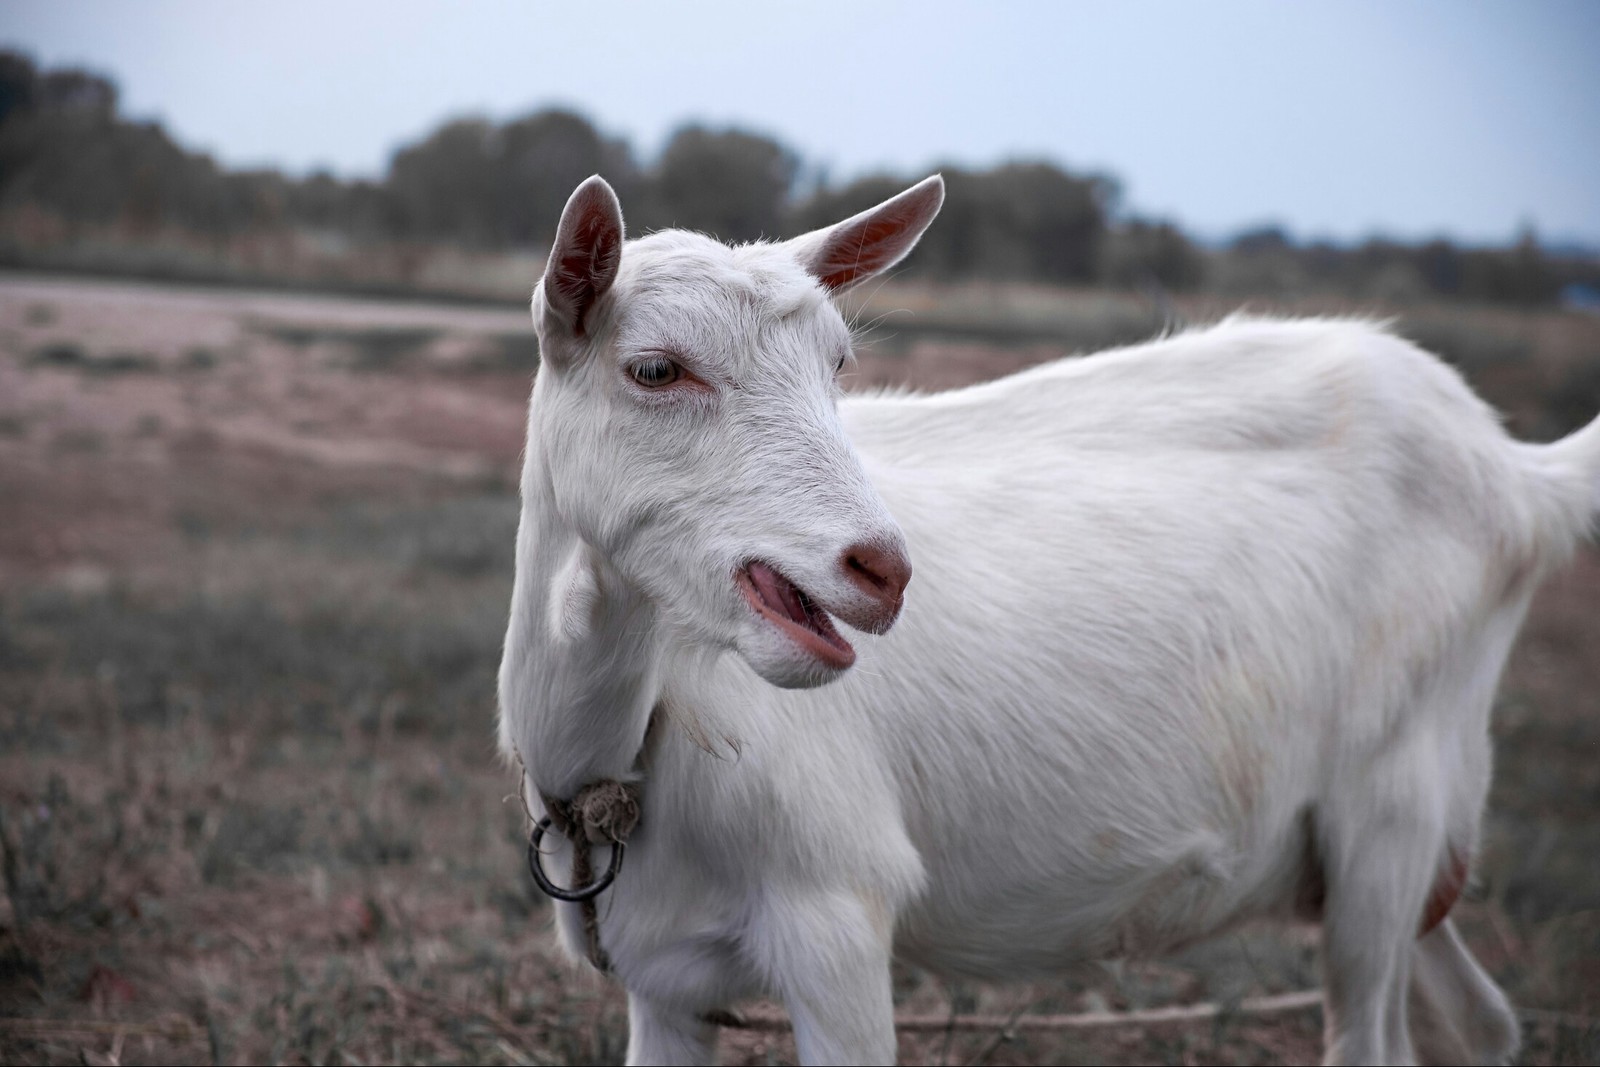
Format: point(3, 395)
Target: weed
point(365, 349)
point(1575, 399)
point(505, 352)
point(1469, 345)
point(79, 440)
point(62, 355)
point(123, 362)
point(198, 359)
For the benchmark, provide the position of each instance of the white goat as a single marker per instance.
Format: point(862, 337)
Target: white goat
point(1201, 630)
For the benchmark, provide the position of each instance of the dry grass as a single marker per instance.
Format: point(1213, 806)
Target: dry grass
point(252, 586)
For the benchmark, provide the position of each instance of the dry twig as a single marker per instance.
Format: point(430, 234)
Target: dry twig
point(172, 1029)
point(1179, 1013)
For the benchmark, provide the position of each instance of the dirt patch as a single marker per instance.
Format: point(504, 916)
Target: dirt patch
point(234, 409)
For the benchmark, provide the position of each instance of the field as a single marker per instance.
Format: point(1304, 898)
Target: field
point(255, 557)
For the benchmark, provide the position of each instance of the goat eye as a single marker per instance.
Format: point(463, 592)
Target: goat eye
point(655, 373)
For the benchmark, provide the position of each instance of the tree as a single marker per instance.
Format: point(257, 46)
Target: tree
point(542, 158)
point(484, 183)
point(826, 206)
point(18, 82)
point(1020, 220)
point(1140, 253)
point(1041, 222)
point(446, 185)
point(730, 183)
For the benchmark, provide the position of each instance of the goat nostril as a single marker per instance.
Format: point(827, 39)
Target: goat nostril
point(867, 572)
point(882, 573)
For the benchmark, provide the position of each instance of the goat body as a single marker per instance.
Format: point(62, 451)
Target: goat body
point(1201, 630)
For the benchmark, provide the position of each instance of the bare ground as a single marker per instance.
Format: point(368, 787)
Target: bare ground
point(254, 563)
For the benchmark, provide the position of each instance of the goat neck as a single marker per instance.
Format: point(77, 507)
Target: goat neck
point(575, 706)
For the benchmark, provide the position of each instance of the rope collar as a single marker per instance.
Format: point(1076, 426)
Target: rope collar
point(604, 812)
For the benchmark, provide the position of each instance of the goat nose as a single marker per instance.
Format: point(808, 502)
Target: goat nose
point(879, 571)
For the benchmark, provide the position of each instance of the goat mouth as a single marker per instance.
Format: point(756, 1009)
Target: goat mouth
point(785, 605)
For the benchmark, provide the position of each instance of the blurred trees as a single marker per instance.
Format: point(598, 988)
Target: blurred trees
point(63, 147)
point(729, 183)
point(66, 154)
point(488, 184)
point(1141, 254)
point(1018, 221)
point(1268, 261)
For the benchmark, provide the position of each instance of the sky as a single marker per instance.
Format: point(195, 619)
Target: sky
point(1407, 118)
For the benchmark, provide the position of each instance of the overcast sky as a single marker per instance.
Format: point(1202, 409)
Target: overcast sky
point(1406, 117)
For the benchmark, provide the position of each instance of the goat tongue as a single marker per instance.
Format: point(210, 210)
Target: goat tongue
point(786, 605)
point(780, 594)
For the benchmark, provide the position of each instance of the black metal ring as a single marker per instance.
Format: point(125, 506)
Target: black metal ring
point(577, 894)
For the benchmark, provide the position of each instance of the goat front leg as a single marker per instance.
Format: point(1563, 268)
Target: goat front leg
point(828, 957)
point(658, 1035)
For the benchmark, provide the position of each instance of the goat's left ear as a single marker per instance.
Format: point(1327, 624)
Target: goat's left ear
point(584, 258)
point(870, 243)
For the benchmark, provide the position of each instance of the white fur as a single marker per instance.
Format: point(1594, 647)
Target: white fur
point(1190, 622)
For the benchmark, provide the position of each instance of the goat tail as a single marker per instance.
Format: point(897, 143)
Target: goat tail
point(1568, 473)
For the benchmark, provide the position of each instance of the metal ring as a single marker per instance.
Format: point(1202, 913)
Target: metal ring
point(577, 894)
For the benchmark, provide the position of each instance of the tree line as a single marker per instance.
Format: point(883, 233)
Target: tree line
point(66, 150)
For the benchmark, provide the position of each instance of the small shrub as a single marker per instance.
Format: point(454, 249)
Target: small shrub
point(63, 355)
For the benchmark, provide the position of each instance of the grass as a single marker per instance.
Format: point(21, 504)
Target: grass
point(376, 349)
point(250, 809)
point(176, 750)
point(70, 355)
point(274, 816)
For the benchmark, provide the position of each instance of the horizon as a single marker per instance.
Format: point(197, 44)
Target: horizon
point(1470, 124)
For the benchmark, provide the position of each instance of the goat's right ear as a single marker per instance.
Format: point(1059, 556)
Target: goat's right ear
point(583, 260)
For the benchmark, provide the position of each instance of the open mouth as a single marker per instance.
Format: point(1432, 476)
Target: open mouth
point(784, 604)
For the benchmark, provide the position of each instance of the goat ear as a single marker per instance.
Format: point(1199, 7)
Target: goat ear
point(870, 243)
point(584, 258)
